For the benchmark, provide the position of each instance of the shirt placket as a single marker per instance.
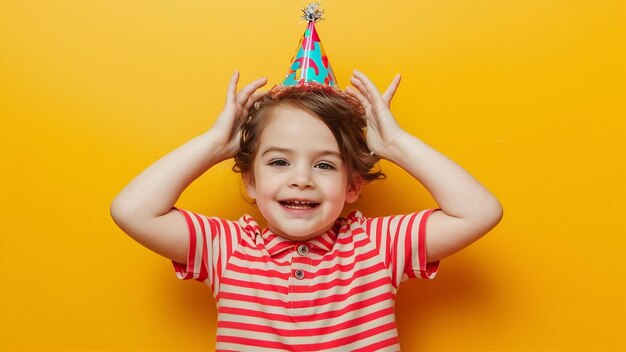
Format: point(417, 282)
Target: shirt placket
point(299, 281)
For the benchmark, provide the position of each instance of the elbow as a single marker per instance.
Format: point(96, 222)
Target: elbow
point(493, 213)
point(486, 219)
point(123, 215)
point(119, 210)
point(116, 210)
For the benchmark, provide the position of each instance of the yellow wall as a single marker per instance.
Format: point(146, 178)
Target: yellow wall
point(529, 96)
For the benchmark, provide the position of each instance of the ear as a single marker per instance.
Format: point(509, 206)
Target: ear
point(353, 192)
point(250, 185)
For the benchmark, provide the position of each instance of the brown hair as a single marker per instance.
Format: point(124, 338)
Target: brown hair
point(341, 112)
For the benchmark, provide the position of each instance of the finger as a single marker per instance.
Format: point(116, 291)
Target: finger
point(361, 88)
point(232, 88)
point(372, 92)
point(359, 96)
point(391, 90)
point(256, 96)
point(246, 92)
point(363, 91)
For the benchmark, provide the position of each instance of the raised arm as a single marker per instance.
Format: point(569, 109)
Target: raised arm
point(469, 210)
point(143, 209)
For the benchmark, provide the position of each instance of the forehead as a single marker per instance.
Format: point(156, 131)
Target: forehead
point(296, 128)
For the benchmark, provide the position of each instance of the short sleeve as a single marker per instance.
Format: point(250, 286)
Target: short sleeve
point(401, 241)
point(211, 242)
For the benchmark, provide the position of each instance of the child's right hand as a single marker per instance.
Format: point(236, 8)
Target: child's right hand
point(225, 130)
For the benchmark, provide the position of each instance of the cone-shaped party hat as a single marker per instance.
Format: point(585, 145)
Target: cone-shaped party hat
point(310, 63)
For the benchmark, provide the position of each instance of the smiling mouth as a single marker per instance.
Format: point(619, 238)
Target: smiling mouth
point(296, 204)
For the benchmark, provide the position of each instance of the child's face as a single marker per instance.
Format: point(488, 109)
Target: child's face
point(300, 182)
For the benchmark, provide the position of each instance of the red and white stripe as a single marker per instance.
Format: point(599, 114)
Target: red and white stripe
point(345, 299)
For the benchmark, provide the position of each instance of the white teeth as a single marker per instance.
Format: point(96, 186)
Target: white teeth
point(297, 207)
point(296, 204)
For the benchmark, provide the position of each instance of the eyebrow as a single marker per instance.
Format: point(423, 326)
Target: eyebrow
point(291, 151)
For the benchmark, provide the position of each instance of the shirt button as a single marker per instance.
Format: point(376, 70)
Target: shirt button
point(303, 249)
point(299, 274)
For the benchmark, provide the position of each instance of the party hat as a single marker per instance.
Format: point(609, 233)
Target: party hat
point(310, 63)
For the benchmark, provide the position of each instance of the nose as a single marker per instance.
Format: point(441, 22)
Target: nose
point(301, 177)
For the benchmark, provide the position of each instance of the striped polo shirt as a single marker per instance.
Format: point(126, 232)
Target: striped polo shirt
point(333, 292)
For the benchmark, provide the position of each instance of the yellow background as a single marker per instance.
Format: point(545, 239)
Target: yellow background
point(528, 96)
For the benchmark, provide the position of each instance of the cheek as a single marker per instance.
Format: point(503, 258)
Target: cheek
point(267, 184)
point(336, 187)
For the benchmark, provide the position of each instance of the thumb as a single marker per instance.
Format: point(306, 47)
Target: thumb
point(391, 90)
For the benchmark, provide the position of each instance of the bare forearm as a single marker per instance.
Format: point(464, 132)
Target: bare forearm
point(457, 193)
point(154, 191)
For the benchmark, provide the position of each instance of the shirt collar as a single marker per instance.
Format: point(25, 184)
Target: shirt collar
point(274, 244)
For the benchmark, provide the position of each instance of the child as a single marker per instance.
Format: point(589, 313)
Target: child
point(308, 281)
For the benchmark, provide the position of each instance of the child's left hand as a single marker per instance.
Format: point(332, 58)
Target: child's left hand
point(382, 128)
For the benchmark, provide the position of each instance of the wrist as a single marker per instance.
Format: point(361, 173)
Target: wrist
point(392, 149)
point(215, 146)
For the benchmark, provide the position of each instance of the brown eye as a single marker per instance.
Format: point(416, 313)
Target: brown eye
point(325, 166)
point(278, 162)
